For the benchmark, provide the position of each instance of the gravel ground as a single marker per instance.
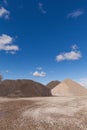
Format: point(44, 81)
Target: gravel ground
point(51, 113)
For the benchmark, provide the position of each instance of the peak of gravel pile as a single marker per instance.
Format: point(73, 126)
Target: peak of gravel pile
point(69, 88)
point(52, 84)
point(22, 88)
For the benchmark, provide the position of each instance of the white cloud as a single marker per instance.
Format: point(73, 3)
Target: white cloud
point(5, 39)
point(6, 44)
point(75, 14)
point(4, 13)
point(83, 82)
point(74, 54)
point(39, 74)
point(41, 7)
point(75, 47)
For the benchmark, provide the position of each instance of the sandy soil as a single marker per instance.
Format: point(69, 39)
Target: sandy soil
point(51, 113)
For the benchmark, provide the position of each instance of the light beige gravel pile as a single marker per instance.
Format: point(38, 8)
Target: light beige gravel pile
point(69, 88)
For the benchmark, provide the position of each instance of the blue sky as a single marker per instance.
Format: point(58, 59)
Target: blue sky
point(43, 40)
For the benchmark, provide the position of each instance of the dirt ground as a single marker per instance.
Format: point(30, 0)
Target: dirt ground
point(45, 113)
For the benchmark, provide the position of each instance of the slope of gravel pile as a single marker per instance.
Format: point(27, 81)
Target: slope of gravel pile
point(22, 88)
point(52, 84)
point(69, 88)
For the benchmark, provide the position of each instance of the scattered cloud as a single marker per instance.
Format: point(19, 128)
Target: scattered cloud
point(4, 71)
point(39, 74)
point(39, 68)
point(75, 13)
point(74, 47)
point(83, 82)
point(69, 56)
point(4, 13)
point(41, 8)
point(7, 71)
point(5, 39)
point(6, 44)
point(74, 54)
